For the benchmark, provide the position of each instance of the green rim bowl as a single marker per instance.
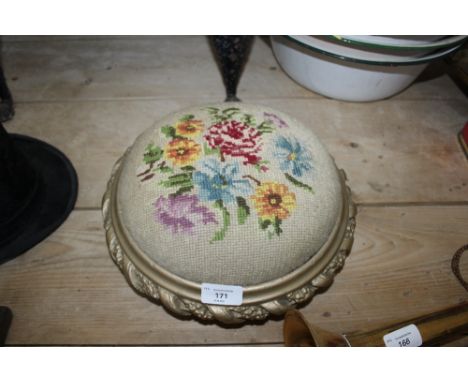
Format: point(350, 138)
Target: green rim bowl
point(381, 42)
point(354, 55)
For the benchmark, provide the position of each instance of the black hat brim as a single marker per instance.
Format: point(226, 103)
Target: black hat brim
point(53, 201)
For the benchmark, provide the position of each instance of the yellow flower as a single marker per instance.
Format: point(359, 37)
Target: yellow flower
point(273, 200)
point(189, 128)
point(182, 152)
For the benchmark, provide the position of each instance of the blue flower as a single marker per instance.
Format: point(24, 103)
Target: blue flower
point(292, 156)
point(217, 181)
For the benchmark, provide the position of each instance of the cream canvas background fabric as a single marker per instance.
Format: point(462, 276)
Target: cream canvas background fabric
point(247, 254)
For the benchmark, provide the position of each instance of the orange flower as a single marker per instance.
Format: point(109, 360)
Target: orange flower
point(273, 200)
point(182, 151)
point(189, 128)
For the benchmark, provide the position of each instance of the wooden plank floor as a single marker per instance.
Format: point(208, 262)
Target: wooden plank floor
point(91, 97)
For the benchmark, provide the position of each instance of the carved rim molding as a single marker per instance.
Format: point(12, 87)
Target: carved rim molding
point(182, 296)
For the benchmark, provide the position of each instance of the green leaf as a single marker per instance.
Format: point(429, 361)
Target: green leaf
point(183, 190)
point(264, 224)
point(265, 127)
point(187, 117)
point(188, 168)
point(231, 110)
point(241, 215)
point(277, 226)
point(207, 150)
point(223, 115)
point(181, 176)
point(164, 169)
point(168, 131)
point(219, 235)
point(243, 210)
point(173, 183)
point(177, 180)
point(212, 110)
point(298, 183)
point(153, 154)
point(248, 119)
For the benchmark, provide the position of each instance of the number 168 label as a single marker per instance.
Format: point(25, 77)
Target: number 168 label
point(405, 337)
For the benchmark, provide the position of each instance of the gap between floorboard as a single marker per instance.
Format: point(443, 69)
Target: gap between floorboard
point(315, 97)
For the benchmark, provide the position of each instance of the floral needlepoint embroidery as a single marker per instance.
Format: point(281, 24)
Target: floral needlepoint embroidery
point(293, 158)
point(182, 152)
point(189, 127)
point(222, 183)
point(275, 120)
point(219, 189)
point(273, 200)
point(182, 213)
point(235, 139)
point(152, 160)
point(218, 181)
point(273, 203)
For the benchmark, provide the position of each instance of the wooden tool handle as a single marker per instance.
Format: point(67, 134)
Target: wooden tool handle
point(435, 328)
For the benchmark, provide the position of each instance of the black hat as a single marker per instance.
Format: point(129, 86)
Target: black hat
point(38, 190)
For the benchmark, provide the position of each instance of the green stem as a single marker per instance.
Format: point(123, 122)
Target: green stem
point(298, 183)
point(219, 235)
point(277, 225)
point(243, 210)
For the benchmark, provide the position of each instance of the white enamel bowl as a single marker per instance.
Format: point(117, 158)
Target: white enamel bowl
point(347, 78)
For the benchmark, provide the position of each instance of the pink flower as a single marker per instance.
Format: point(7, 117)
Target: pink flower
point(235, 139)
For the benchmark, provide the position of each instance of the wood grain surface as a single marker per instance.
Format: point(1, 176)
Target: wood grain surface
point(387, 159)
point(71, 68)
point(92, 96)
point(67, 290)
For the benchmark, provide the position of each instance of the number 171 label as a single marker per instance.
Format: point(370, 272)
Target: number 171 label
point(219, 294)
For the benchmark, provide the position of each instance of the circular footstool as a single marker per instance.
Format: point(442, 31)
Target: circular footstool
point(229, 212)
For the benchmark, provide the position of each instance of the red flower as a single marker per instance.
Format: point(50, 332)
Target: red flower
point(235, 139)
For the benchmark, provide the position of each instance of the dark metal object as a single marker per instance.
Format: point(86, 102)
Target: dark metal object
point(456, 265)
point(463, 139)
point(5, 320)
point(6, 100)
point(457, 68)
point(231, 53)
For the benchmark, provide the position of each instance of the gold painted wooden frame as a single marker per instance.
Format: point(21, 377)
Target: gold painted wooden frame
point(182, 296)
